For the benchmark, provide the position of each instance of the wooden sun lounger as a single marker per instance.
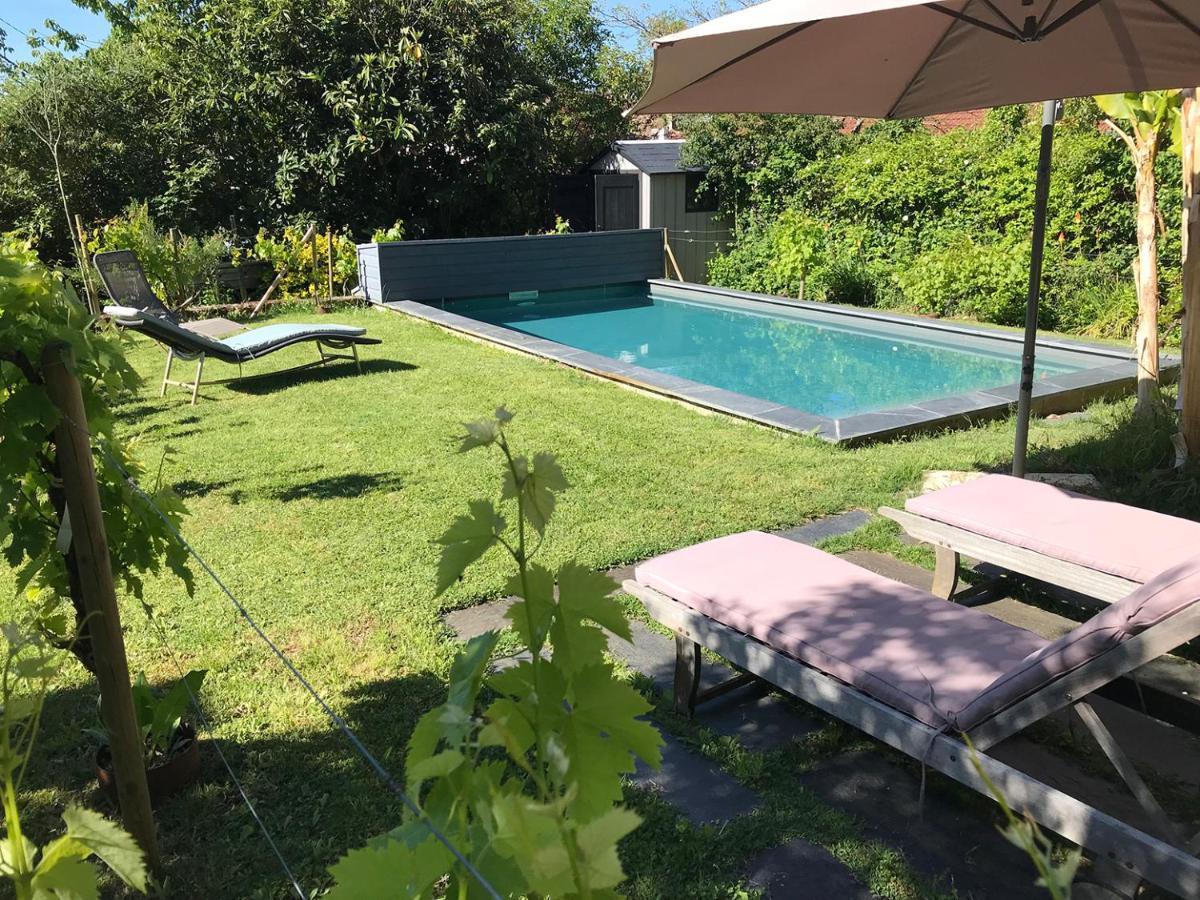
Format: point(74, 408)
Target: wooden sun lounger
point(1093, 547)
point(917, 673)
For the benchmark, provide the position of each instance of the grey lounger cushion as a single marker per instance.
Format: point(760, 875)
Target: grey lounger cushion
point(241, 347)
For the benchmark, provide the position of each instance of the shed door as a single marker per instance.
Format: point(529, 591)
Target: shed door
point(616, 202)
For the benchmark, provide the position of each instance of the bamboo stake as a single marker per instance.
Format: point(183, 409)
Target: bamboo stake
point(316, 266)
point(329, 257)
point(671, 257)
point(308, 236)
point(85, 268)
point(90, 545)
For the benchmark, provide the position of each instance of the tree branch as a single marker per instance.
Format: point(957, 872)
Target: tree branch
point(22, 362)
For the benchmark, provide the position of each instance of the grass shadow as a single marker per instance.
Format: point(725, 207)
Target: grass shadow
point(315, 794)
point(337, 487)
point(258, 385)
point(1132, 457)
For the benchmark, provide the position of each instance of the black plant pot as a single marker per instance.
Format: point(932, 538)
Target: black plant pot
point(179, 770)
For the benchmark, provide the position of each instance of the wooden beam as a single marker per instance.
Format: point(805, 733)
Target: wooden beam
point(90, 543)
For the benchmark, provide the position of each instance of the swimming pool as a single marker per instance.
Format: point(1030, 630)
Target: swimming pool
point(846, 374)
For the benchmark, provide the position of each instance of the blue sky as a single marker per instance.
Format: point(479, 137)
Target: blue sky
point(17, 16)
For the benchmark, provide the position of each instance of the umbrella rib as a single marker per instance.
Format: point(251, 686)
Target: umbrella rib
point(1078, 9)
point(1178, 16)
point(971, 20)
point(936, 47)
point(1007, 21)
point(1046, 15)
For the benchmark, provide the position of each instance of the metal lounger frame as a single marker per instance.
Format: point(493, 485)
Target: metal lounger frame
point(194, 384)
point(1163, 860)
point(949, 541)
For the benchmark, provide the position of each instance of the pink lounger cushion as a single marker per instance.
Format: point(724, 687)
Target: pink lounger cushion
point(946, 665)
point(1164, 597)
point(903, 646)
point(1109, 537)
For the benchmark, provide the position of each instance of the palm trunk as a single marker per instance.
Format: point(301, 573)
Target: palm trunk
point(1146, 340)
point(1189, 385)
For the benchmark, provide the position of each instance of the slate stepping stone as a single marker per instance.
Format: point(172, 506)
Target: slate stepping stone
point(475, 620)
point(695, 786)
point(761, 721)
point(803, 869)
point(828, 527)
point(653, 655)
point(948, 840)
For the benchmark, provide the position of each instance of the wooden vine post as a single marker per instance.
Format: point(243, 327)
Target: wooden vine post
point(90, 545)
point(1189, 384)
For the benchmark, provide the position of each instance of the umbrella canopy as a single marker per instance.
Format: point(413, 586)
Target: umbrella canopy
point(906, 58)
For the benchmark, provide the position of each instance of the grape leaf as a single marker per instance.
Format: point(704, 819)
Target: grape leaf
point(467, 539)
point(603, 734)
point(67, 878)
point(583, 595)
point(110, 842)
point(531, 615)
point(479, 434)
point(537, 484)
point(597, 842)
point(388, 867)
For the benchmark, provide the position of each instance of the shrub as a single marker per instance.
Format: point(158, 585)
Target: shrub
point(777, 258)
point(179, 268)
point(290, 254)
point(984, 281)
point(848, 279)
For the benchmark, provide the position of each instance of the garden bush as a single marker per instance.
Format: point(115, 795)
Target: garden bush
point(180, 268)
point(289, 253)
point(964, 278)
point(940, 223)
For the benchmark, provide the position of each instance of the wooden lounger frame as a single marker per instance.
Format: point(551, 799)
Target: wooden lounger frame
point(1164, 860)
point(949, 541)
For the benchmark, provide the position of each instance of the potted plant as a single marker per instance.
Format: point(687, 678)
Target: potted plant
point(172, 754)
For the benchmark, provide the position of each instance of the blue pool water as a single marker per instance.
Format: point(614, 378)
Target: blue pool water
point(823, 364)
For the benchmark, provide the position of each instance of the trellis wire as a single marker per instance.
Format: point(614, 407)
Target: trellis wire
point(383, 774)
point(204, 723)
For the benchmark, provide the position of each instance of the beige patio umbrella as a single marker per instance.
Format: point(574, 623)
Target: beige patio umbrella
point(906, 58)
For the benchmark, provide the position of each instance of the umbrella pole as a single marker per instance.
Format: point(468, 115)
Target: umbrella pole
point(1041, 196)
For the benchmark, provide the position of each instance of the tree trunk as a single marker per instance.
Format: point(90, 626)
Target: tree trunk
point(1146, 340)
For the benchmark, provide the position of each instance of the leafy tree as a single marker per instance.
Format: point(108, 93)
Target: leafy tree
point(1148, 117)
point(452, 115)
point(521, 769)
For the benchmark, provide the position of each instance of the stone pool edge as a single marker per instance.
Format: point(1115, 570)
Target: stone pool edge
point(1063, 393)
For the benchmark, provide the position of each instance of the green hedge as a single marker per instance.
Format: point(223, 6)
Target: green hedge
point(939, 223)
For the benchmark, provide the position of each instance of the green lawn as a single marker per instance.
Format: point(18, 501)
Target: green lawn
point(318, 498)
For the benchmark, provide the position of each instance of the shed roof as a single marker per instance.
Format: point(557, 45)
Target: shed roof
point(654, 157)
